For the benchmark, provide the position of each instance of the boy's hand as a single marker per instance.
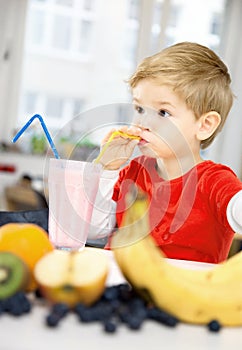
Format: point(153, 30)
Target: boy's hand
point(116, 152)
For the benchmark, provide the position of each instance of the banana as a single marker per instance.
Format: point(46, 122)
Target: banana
point(193, 296)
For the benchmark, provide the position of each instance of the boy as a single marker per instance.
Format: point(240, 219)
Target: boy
point(181, 97)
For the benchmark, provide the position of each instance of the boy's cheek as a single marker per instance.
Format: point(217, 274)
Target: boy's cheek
point(162, 127)
point(168, 132)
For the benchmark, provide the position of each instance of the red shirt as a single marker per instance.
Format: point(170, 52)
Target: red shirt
point(187, 214)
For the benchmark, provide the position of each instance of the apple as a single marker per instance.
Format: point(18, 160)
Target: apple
point(72, 277)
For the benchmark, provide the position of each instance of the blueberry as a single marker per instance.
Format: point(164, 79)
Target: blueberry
point(60, 309)
point(103, 310)
point(134, 322)
point(110, 326)
point(26, 306)
point(140, 313)
point(123, 313)
point(22, 301)
point(16, 310)
point(1, 307)
point(111, 293)
point(20, 296)
point(87, 316)
point(11, 304)
point(83, 313)
point(214, 326)
point(161, 316)
point(171, 321)
point(52, 320)
point(6, 305)
point(125, 292)
point(153, 313)
point(136, 303)
point(79, 308)
point(115, 304)
point(94, 313)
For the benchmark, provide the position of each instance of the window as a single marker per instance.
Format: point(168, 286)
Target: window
point(30, 101)
point(179, 20)
point(134, 9)
point(54, 107)
point(87, 48)
point(64, 2)
point(77, 106)
point(216, 23)
point(130, 44)
point(85, 35)
point(174, 15)
point(88, 5)
point(61, 32)
point(36, 27)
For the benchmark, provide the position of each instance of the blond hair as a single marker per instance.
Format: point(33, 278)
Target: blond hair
point(196, 74)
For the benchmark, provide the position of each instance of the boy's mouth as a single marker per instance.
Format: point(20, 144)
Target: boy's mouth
point(142, 142)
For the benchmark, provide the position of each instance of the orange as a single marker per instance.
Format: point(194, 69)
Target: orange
point(29, 241)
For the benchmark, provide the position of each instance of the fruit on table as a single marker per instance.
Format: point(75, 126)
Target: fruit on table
point(72, 277)
point(14, 275)
point(29, 241)
point(123, 134)
point(113, 135)
point(193, 296)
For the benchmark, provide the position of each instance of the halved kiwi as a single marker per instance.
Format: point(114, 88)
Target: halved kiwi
point(14, 274)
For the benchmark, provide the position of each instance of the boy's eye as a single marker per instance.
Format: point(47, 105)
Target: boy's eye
point(164, 113)
point(139, 109)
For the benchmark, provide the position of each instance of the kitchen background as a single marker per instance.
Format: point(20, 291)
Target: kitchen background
point(67, 60)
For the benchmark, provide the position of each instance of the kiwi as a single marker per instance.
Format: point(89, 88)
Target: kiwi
point(14, 274)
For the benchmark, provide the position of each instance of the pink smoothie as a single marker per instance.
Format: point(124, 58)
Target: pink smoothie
point(73, 186)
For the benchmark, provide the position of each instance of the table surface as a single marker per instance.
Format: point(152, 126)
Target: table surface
point(30, 333)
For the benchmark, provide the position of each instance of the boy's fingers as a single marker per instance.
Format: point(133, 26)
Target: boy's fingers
point(107, 136)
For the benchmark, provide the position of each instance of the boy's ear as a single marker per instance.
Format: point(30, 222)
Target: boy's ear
point(207, 124)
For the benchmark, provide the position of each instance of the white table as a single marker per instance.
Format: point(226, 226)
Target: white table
point(30, 333)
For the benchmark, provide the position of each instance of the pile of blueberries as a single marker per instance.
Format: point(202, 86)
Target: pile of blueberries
point(16, 305)
point(119, 304)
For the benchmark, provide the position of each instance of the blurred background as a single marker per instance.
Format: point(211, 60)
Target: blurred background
point(65, 58)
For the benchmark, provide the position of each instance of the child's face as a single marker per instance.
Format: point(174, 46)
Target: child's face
point(168, 127)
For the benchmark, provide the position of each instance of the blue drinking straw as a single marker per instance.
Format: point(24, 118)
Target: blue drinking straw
point(21, 131)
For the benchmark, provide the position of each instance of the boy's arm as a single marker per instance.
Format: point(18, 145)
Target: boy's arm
point(234, 212)
point(104, 212)
point(117, 148)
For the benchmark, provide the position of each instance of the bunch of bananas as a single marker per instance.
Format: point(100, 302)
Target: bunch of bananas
point(193, 296)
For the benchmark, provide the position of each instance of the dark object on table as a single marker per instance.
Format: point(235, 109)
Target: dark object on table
point(38, 217)
point(22, 196)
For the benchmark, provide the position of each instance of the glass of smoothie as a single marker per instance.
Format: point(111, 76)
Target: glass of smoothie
point(72, 187)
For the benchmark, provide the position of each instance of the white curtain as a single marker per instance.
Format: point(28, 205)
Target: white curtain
point(227, 148)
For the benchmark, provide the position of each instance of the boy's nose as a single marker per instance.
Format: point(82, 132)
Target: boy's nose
point(142, 120)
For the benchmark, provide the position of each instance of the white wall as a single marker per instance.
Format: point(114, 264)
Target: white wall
point(228, 147)
point(12, 28)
